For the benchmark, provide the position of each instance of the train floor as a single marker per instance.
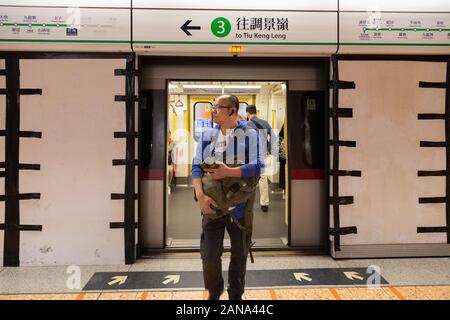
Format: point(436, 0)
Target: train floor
point(184, 220)
point(177, 276)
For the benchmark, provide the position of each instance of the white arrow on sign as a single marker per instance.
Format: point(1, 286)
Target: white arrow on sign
point(175, 278)
point(352, 275)
point(118, 279)
point(302, 276)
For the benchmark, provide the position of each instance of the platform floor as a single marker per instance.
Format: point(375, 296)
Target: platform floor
point(384, 293)
point(423, 278)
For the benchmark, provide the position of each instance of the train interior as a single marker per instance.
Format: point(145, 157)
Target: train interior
point(188, 115)
point(178, 94)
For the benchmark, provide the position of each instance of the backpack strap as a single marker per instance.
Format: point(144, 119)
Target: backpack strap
point(247, 245)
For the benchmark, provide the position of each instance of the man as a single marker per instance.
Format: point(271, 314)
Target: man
point(263, 127)
point(224, 142)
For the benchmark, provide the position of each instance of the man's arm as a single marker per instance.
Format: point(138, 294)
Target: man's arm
point(198, 187)
point(204, 201)
point(196, 170)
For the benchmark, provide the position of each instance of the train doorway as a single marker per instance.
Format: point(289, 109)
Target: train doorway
point(188, 115)
point(177, 94)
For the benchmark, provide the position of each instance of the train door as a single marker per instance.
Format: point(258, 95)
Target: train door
point(188, 115)
point(291, 95)
point(67, 159)
point(389, 182)
point(307, 162)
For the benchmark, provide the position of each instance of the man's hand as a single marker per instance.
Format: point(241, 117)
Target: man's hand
point(224, 171)
point(221, 172)
point(205, 203)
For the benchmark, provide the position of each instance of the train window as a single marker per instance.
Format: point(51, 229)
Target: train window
point(203, 119)
point(243, 110)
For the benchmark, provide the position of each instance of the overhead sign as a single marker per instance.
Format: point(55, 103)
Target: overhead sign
point(253, 27)
point(69, 3)
point(394, 32)
point(159, 31)
point(394, 6)
point(186, 27)
point(294, 5)
point(66, 28)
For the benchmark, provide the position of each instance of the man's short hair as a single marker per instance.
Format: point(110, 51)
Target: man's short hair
point(251, 108)
point(233, 100)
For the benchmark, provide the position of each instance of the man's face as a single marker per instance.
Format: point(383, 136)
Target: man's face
point(221, 111)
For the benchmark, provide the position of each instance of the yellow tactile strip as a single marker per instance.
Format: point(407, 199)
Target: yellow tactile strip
point(383, 293)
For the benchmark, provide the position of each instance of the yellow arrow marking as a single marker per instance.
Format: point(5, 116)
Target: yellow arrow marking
point(302, 276)
point(175, 278)
point(118, 279)
point(352, 275)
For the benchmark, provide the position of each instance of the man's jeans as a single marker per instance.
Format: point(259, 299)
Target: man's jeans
point(211, 249)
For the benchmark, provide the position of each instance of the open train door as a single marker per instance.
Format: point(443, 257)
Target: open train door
point(389, 156)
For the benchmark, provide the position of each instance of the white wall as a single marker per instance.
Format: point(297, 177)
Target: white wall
point(385, 105)
point(77, 116)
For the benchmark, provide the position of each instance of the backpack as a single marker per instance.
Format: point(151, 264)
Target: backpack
point(228, 192)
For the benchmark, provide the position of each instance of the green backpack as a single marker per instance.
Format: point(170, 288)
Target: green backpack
point(228, 192)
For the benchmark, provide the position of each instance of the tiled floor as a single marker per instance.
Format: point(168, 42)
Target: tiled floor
point(427, 278)
point(383, 293)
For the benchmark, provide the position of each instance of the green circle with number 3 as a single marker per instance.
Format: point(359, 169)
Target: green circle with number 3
point(220, 27)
